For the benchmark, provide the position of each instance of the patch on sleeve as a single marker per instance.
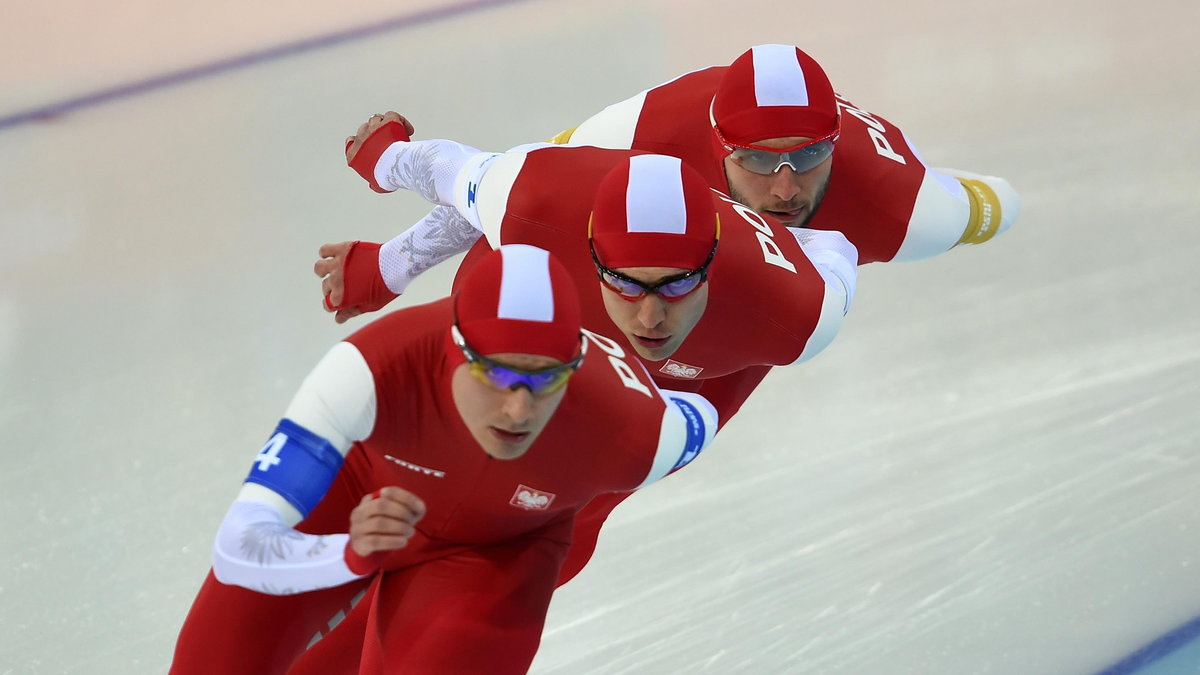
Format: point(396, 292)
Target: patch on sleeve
point(695, 432)
point(297, 464)
point(985, 212)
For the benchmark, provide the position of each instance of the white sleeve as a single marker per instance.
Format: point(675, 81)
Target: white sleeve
point(836, 260)
point(440, 235)
point(429, 168)
point(481, 191)
point(446, 173)
point(688, 426)
point(451, 174)
point(612, 127)
point(1003, 197)
point(615, 126)
point(337, 399)
point(255, 549)
point(957, 207)
point(257, 546)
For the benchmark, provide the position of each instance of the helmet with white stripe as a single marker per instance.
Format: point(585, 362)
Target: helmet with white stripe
point(773, 91)
point(518, 299)
point(654, 211)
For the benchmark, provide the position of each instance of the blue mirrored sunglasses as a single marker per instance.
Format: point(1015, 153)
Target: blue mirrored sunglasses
point(671, 289)
point(505, 377)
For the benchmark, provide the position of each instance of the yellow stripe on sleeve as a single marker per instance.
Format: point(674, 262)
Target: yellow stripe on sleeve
point(984, 221)
point(562, 137)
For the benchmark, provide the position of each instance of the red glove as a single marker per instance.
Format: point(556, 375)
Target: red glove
point(362, 284)
point(373, 148)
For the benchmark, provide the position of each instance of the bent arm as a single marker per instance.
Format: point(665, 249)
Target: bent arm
point(257, 546)
point(256, 549)
point(445, 173)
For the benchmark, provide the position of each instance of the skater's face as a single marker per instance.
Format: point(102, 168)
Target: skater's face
point(792, 189)
point(654, 325)
point(506, 421)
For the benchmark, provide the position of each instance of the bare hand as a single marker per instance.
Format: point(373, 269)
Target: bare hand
point(333, 284)
point(353, 143)
point(385, 522)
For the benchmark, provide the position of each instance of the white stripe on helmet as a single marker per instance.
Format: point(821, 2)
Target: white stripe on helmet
point(778, 78)
point(654, 196)
point(525, 289)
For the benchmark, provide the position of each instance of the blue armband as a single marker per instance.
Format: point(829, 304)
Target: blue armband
point(297, 464)
point(695, 432)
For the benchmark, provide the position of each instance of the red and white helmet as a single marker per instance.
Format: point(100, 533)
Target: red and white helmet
point(519, 299)
point(773, 91)
point(653, 211)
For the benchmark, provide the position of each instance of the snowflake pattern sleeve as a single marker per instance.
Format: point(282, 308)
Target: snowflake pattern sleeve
point(440, 235)
point(255, 549)
point(257, 546)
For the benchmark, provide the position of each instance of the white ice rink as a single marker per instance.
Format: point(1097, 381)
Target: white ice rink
point(995, 469)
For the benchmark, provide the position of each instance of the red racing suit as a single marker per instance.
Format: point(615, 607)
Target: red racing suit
point(881, 195)
point(469, 592)
point(769, 304)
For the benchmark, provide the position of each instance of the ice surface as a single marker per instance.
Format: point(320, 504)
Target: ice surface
point(993, 469)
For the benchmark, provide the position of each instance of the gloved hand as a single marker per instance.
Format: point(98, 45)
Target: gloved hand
point(374, 137)
point(351, 281)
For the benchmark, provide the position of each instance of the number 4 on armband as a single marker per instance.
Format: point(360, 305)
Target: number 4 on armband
point(269, 455)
